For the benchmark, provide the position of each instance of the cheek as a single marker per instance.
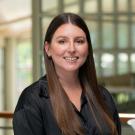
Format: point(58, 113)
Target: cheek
point(57, 51)
point(84, 51)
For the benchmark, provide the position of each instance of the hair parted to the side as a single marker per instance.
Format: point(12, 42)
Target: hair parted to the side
point(87, 75)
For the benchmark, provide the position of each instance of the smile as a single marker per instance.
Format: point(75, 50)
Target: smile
point(72, 59)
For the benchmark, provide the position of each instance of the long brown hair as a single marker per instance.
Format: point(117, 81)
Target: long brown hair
point(87, 75)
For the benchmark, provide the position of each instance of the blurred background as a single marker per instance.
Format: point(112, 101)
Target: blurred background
point(23, 24)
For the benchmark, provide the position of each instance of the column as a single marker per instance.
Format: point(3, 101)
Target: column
point(9, 79)
point(37, 41)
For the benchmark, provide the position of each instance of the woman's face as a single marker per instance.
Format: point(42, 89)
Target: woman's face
point(68, 48)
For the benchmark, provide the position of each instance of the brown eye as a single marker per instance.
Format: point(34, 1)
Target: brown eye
point(80, 41)
point(61, 41)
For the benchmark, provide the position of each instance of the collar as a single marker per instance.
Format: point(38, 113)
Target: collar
point(83, 99)
point(83, 103)
point(43, 86)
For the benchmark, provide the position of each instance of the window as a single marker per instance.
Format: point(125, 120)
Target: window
point(122, 35)
point(107, 63)
point(133, 35)
point(50, 6)
point(122, 5)
point(90, 6)
point(108, 35)
point(92, 25)
point(23, 64)
point(122, 63)
point(107, 6)
point(71, 5)
point(132, 59)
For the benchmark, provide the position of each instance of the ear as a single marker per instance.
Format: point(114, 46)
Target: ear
point(47, 49)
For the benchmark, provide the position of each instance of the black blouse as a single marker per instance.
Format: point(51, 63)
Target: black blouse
point(88, 121)
point(34, 116)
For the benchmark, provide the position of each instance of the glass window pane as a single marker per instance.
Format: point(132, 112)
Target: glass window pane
point(132, 59)
point(133, 18)
point(92, 25)
point(133, 5)
point(107, 64)
point(133, 35)
point(96, 59)
point(71, 5)
point(122, 5)
point(107, 5)
point(90, 6)
point(23, 64)
point(45, 23)
point(122, 63)
point(50, 6)
point(122, 35)
point(108, 35)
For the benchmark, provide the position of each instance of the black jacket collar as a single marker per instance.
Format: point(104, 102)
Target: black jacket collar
point(43, 84)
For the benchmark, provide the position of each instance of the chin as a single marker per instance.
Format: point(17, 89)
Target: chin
point(72, 69)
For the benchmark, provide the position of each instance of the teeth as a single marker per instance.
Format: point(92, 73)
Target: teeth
point(71, 58)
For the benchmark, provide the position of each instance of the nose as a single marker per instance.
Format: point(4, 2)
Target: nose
point(71, 47)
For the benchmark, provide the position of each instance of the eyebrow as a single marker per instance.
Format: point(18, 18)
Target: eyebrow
point(67, 37)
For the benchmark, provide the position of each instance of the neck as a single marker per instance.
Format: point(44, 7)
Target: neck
point(69, 80)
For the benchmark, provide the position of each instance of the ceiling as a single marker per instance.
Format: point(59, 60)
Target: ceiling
point(10, 9)
point(19, 11)
point(14, 11)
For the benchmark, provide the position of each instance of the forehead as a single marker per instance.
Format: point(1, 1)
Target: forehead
point(69, 29)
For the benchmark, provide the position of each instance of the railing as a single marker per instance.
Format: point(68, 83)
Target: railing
point(123, 117)
point(6, 116)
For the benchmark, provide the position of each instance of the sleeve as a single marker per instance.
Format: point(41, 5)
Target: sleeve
point(27, 118)
point(113, 109)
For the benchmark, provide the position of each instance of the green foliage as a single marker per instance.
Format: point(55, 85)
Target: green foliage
point(24, 63)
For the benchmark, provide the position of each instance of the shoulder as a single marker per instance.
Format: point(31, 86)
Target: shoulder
point(33, 93)
point(105, 93)
point(28, 113)
point(111, 106)
point(108, 99)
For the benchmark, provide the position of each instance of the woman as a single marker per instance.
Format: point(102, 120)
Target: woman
point(68, 100)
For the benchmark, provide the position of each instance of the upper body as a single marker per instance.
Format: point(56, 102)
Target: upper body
point(76, 104)
point(34, 115)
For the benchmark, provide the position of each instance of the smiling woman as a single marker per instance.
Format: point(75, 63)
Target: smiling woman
point(67, 100)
